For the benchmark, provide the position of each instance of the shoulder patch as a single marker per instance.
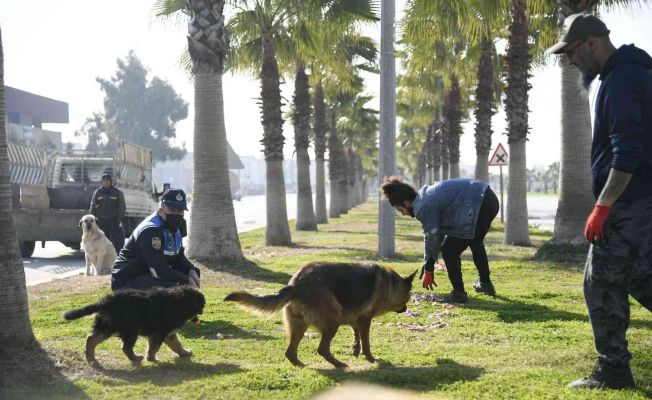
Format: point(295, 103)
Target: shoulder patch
point(156, 242)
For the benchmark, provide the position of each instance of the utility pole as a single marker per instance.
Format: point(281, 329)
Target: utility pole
point(387, 159)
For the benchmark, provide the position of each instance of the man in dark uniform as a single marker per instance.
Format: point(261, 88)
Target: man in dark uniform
point(153, 255)
point(108, 207)
point(619, 263)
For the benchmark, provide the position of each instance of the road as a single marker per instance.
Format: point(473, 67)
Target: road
point(58, 261)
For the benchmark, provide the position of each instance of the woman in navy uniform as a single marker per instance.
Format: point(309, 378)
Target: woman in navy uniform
point(153, 256)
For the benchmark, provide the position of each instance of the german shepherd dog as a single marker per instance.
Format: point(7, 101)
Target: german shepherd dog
point(152, 313)
point(327, 295)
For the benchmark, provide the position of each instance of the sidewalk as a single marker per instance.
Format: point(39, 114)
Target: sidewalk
point(55, 261)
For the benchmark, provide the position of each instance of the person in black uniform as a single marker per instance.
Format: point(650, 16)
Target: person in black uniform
point(153, 256)
point(108, 207)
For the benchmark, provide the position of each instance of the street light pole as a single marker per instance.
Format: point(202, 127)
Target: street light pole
point(387, 159)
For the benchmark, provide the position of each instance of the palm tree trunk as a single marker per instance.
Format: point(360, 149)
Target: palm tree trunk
point(454, 120)
point(213, 230)
point(516, 227)
point(336, 170)
point(360, 180)
point(14, 313)
point(576, 196)
point(305, 215)
point(516, 108)
point(436, 156)
point(334, 209)
point(320, 195)
point(277, 232)
point(482, 167)
point(444, 159)
point(484, 111)
point(320, 128)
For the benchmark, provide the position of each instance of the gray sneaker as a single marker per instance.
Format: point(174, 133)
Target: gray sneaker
point(484, 287)
point(456, 297)
point(606, 376)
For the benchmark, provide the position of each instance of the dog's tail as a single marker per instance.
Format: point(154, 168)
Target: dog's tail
point(263, 304)
point(81, 312)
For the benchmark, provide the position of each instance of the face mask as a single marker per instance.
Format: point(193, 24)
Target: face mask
point(173, 222)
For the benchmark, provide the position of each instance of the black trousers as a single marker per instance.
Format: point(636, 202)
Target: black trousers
point(113, 232)
point(453, 247)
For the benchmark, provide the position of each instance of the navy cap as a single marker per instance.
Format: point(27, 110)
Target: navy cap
point(107, 174)
point(174, 198)
point(578, 27)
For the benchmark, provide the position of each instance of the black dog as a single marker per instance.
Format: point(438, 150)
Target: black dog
point(130, 313)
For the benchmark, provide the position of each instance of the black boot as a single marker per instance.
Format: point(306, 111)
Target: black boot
point(606, 376)
point(484, 287)
point(456, 297)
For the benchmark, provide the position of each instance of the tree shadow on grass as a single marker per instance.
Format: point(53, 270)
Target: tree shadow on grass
point(419, 378)
point(34, 375)
point(169, 373)
point(250, 270)
point(210, 330)
point(510, 310)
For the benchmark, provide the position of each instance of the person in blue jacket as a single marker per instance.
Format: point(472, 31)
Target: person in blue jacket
point(455, 214)
point(619, 262)
point(153, 256)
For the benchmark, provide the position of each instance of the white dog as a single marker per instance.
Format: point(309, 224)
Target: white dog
point(99, 251)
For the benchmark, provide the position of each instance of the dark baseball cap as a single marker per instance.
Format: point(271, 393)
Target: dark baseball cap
point(578, 27)
point(174, 198)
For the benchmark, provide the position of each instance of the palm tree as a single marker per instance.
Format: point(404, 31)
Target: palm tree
point(358, 127)
point(336, 167)
point(485, 109)
point(213, 233)
point(453, 113)
point(301, 117)
point(320, 128)
point(264, 32)
point(575, 194)
point(259, 32)
point(466, 27)
point(516, 108)
point(14, 313)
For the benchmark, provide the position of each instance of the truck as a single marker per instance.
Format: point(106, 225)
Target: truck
point(52, 190)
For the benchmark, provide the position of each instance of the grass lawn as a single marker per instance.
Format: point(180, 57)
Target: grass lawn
point(528, 342)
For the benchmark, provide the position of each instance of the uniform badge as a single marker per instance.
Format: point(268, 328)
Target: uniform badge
point(179, 197)
point(156, 243)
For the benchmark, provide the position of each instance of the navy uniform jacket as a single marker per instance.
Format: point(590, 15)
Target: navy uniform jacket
point(108, 204)
point(622, 130)
point(152, 249)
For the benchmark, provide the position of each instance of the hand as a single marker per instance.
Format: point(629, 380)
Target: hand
point(193, 279)
point(594, 229)
point(429, 280)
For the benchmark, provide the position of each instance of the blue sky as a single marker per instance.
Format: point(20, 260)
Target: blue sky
point(57, 48)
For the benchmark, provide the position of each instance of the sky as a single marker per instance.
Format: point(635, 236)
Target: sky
point(57, 48)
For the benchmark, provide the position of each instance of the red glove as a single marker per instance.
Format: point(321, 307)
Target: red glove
point(429, 280)
point(594, 229)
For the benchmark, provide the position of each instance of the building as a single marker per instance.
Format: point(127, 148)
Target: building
point(26, 114)
point(179, 173)
point(253, 176)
